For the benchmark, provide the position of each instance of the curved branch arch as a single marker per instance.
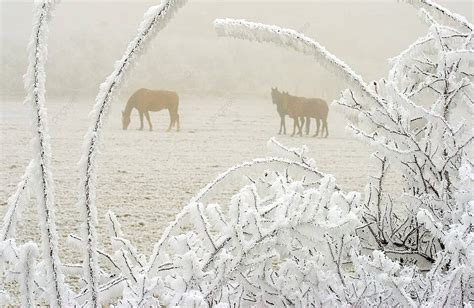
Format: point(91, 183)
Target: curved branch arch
point(154, 20)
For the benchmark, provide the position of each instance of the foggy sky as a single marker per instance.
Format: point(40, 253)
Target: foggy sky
point(86, 38)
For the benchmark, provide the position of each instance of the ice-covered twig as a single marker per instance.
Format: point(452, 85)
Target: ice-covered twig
point(299, 153)
point(255, 163)
point(78, 242)
point(35, 79)
point(443, 13)
point(155, 19)
point(14, 206)
point(110, 288)
point(115, 230)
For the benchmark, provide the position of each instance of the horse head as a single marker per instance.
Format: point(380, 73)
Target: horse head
point(125, 120)
point(284, 99)
point(275, 95)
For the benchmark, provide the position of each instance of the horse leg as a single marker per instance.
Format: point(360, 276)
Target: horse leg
point(300, 126)
point(295, 120)
point(318, 123)
point(147, 115)
point(177, 122)
point(281, 125)
point(326, 126)
point(284, 125)
point(141, 119)
point(171, 120)
point(308, 123)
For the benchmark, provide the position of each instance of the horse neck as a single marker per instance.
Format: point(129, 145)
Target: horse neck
point(281, 107)
point(128, 108)
point(279, 103)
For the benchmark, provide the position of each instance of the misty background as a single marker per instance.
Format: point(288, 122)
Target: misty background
point(86, 38)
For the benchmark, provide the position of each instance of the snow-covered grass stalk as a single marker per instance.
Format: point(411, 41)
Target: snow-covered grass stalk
point(154, 20)
point(27, 268)
point(41, 175)
point(15, 206)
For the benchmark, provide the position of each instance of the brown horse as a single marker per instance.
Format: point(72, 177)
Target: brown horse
point(299, 108)
point(318, 109)
point(145, 100)
point(291, 106)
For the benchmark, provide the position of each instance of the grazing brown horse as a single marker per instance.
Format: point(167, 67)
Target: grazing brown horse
point(291, 106)
point(145, 100)
point(318, 109)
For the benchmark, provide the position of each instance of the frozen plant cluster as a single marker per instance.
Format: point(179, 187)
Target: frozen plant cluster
point(418, 121)
point(290, 236)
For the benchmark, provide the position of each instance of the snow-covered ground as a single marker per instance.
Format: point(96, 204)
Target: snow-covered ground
point(147, 177)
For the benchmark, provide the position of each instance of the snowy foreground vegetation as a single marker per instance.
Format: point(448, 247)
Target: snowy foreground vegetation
point(290, 236)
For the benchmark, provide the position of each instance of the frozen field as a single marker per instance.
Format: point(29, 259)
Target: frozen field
point(146, 177)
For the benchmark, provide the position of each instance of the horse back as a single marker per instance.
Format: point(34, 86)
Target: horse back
point(155, 100)
point(295, 107)
point(316, 108)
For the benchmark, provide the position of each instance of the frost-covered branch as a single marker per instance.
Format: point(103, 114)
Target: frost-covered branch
point(443, 13)
point(283, 224)
point(35, 79)
point(299, 153)
point(312, 174)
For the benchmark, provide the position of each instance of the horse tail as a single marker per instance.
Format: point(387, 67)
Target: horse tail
point(175, 112)
point(324, 109)
point(325, 118)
